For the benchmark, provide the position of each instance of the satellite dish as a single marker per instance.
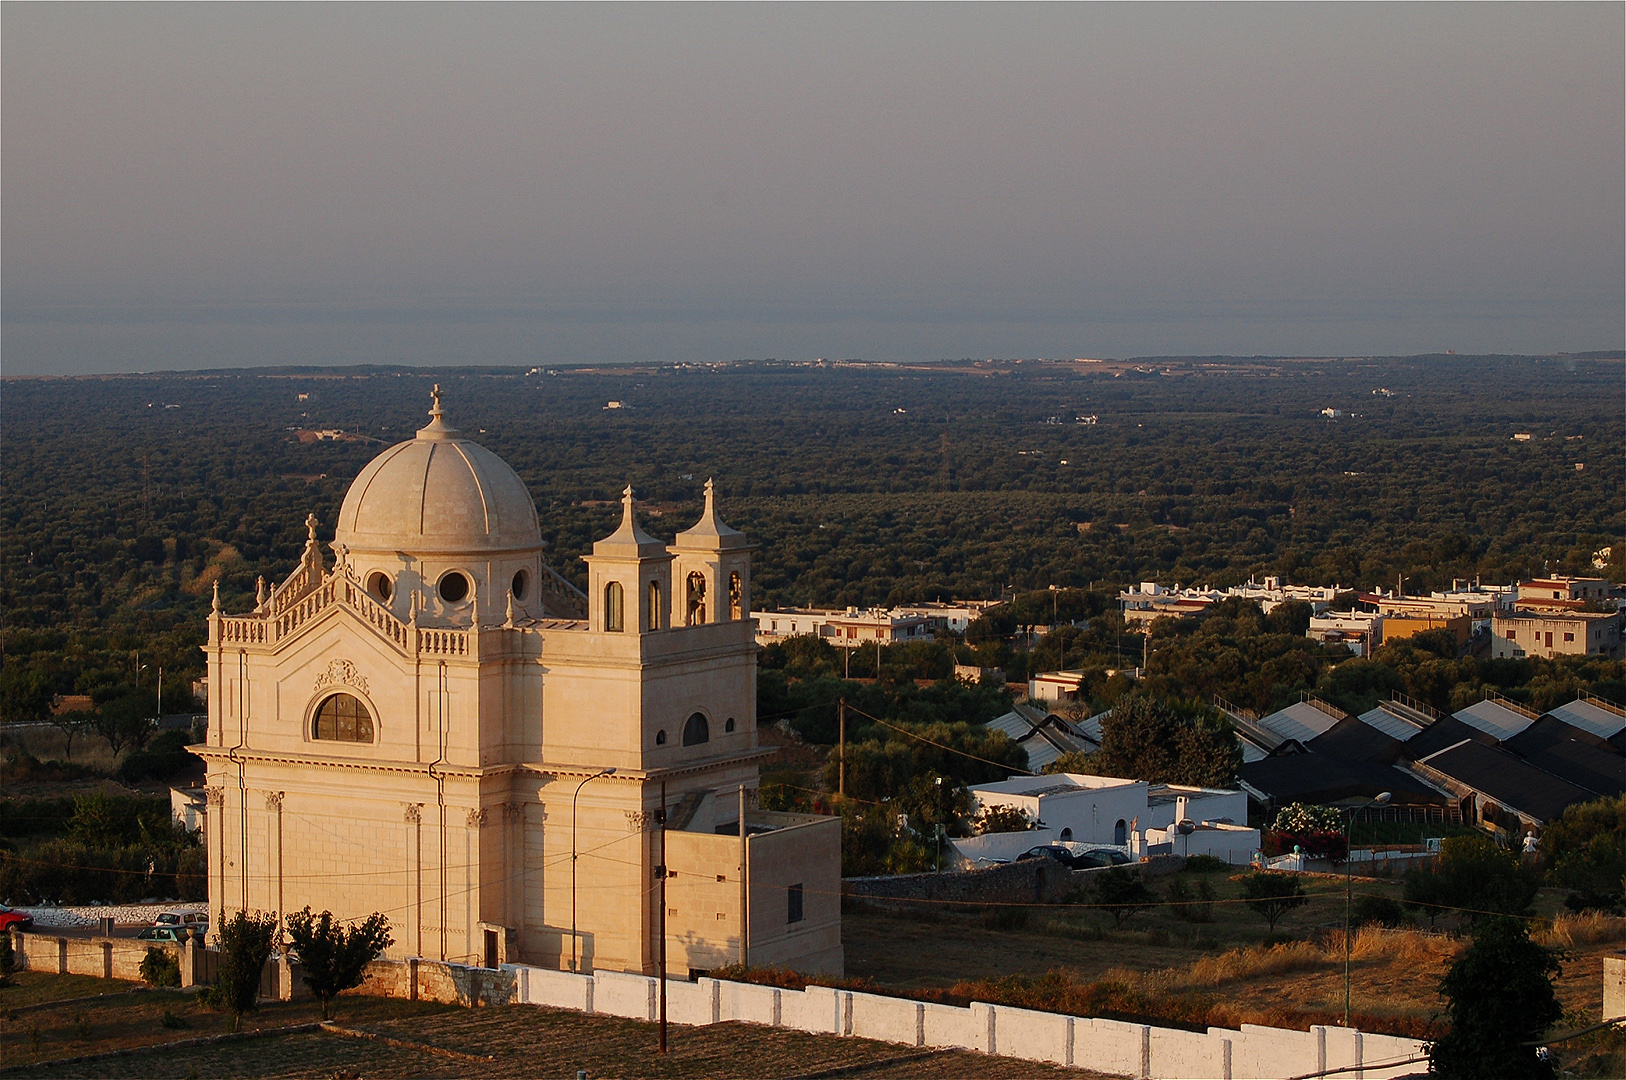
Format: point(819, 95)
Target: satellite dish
point(1186, 827)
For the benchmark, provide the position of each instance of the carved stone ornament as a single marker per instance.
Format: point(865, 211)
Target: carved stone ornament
point(273, 801)
point(215, 796)
point(514, 811)
point(413, 812)
point(341, 673)
point(476, 818)
point(639, 819)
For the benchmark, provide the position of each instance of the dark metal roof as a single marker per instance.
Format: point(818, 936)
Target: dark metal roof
point(1356, 740)
point(1504, 778)
point(1444, 732)
point(1322, 778)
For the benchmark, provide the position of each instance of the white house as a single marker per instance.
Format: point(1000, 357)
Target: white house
point(1104, 810)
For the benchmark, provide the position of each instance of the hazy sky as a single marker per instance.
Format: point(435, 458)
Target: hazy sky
point(196, 186)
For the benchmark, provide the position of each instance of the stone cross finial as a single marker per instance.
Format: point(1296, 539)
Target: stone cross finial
point(310, 528)
point(435, 395)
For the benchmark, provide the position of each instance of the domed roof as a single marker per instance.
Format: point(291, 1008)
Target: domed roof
point(438, 493)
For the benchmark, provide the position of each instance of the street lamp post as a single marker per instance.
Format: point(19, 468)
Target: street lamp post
point(1349, 888)
point(573, 938)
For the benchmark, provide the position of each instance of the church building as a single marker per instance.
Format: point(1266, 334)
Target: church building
point(439, 727)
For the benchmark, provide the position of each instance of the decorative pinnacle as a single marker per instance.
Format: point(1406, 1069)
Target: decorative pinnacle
point(310, 529)
point(435, 394)
point(711, 494)
point(217, 597)
point(626, 505)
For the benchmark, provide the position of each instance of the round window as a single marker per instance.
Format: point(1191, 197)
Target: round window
point(378, 583)
point(454, 587)
point(521, 579)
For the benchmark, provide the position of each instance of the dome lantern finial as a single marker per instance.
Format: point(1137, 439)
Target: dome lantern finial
point(437, 427)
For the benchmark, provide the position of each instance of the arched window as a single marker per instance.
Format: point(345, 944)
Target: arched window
point(1066, 834)
point(728, 727)
point(1120, 832)
point(736, 597)
point(696, 731)
point(517, 586)
point(654, 605)
point(343, 718)
point(660, 737)
point(697, 599)
point(613, 608)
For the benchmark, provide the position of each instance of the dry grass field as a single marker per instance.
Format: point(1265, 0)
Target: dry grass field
point(1393, 973)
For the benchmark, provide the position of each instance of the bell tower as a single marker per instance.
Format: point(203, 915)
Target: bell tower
point(711, 573)
point(629, 579)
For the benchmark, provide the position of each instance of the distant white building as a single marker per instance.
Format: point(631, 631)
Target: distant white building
point(1105, 810)
point(1356, 630)
point(1152, 601)
point(852, 627)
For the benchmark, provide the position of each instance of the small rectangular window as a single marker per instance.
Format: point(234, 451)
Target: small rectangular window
point(1549, 639)
point(793, 898)
point(1569, 637)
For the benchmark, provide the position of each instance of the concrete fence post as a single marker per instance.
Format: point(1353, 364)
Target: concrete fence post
point(107, 959)
point(285, 978)
point(412, 979)
point(61, 956)
point(1145, 1051)
point(189, 961)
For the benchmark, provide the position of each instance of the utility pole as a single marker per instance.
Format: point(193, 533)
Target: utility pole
point(660, 823)
point(841, 768)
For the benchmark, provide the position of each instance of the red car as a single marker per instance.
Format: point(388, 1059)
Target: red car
point(9, 918)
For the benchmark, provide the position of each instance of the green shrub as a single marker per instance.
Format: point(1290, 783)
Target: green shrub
point(1378, 909)
point(1207, 864)
point(160, 967)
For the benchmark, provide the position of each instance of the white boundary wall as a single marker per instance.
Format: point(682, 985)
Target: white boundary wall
point(1110, 1046)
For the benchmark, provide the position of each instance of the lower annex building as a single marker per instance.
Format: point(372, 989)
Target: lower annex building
point(439, 727)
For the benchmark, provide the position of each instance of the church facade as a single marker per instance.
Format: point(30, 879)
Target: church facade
point(438, 727)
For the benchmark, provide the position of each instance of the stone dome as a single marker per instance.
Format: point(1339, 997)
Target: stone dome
point(438, 493)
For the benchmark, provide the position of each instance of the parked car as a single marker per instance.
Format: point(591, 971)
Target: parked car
point(162, 933)
point(1076, 856)
point(185, 919)
point(11, 917)
point(1105, 857)
point(1058, 853)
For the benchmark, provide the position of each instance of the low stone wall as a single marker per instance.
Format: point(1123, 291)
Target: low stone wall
point(1031, 881)
point(1109, 1046)
point(433, 980)
point(104, 957)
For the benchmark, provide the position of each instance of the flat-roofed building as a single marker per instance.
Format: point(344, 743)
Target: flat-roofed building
point(1564, 589)
point(1400, 627)
point(1556, 633)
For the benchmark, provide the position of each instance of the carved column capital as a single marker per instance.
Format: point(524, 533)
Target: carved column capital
point(273, 801)
point(477, 818)
point(514, 811)
point(638, 820)
point(413, 812)
point(215, 796)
